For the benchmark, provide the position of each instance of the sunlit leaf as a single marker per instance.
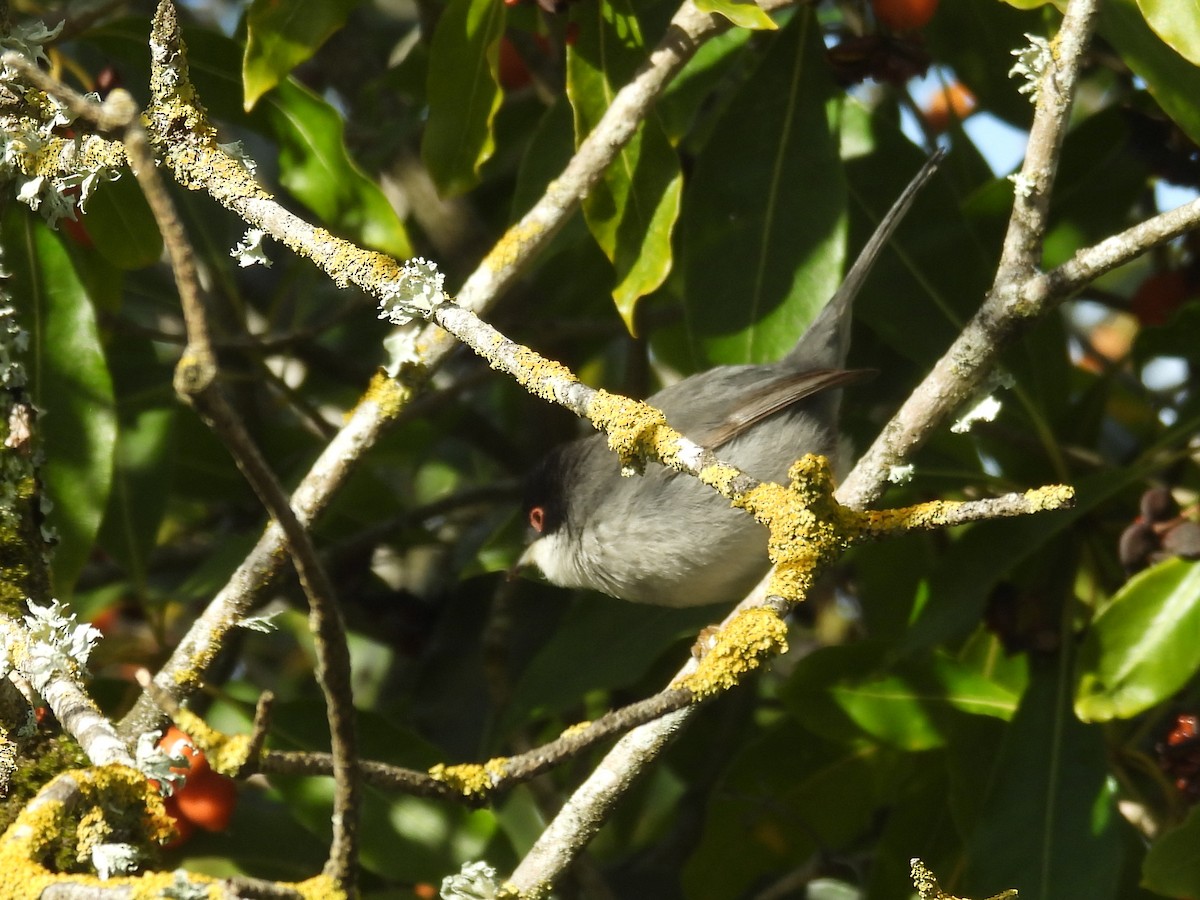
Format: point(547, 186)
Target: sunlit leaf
point(845, 692)
point(70, 384)
point(764, 220)
point(1177, 22)
point(1171, 79)
point(314, 165)
point(281, 35)
point(464, 93)
point(1142, 646)
point(745, 13)
point(632, 210)
point(1172, 867)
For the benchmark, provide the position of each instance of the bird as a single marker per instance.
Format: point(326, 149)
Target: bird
point(664, 538)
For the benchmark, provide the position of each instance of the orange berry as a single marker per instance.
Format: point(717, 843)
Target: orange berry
point(207, 800)
point(904, 15)
point(1158, 296)
point(952, 104)
point(107, 620)
point(177, 743)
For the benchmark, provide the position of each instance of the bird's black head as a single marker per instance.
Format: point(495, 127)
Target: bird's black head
point(545, 501)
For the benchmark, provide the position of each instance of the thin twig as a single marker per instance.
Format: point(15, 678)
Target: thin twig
point(502, 774)
point(196, 380)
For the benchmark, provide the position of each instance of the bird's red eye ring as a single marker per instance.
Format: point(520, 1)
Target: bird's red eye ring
point(537, 519)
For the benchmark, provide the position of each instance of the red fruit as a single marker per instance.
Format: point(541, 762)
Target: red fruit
point(513, 72)
point(952, 104)
point(184, 829)
point(1186, 729)
point(1159, 296)
point(904, 15)
point(74, 228)
point(176, 743)
point(78, 232)
point(108, 620)
point(207, 800)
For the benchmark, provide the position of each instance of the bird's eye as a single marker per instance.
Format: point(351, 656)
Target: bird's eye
point(537, 519)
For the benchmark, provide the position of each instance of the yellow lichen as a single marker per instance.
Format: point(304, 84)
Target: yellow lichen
point(928, 888)
point(49, 841)
point(510, 248)
point(807, 527)
point(577, 728)
point(109, 803)
point(225, 753)
point(471, 779)
point(320, 887)
point(720, 477)
point(388, 394)
point(740, 647)
point(537, 373)
point(1050, 497)
point(91, 829)
point(634, 428)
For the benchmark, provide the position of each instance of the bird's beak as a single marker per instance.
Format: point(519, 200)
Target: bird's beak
point(523, 563)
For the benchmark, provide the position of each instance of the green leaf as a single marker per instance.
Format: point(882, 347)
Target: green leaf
point(121, 226)
point(1171, 79)
point(314, 166)
point(694, 96)
point(1172, 867)
point(1142, 646)
point(464, 93)
point(1051, 827)
point(632, 210)
point(845, 693)
point(1177, 22)
point(69, 383)
point(281, 34)
point(144, 457)
point(764, 221)
point(570, 666)
point(912, 301)
point(960, 586)
point(785, 796)
point(745, 13)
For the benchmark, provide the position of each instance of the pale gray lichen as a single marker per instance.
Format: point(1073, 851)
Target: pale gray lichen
point(250, 251)
point(475, 881)
point(414, 294)
point(1032, 62)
